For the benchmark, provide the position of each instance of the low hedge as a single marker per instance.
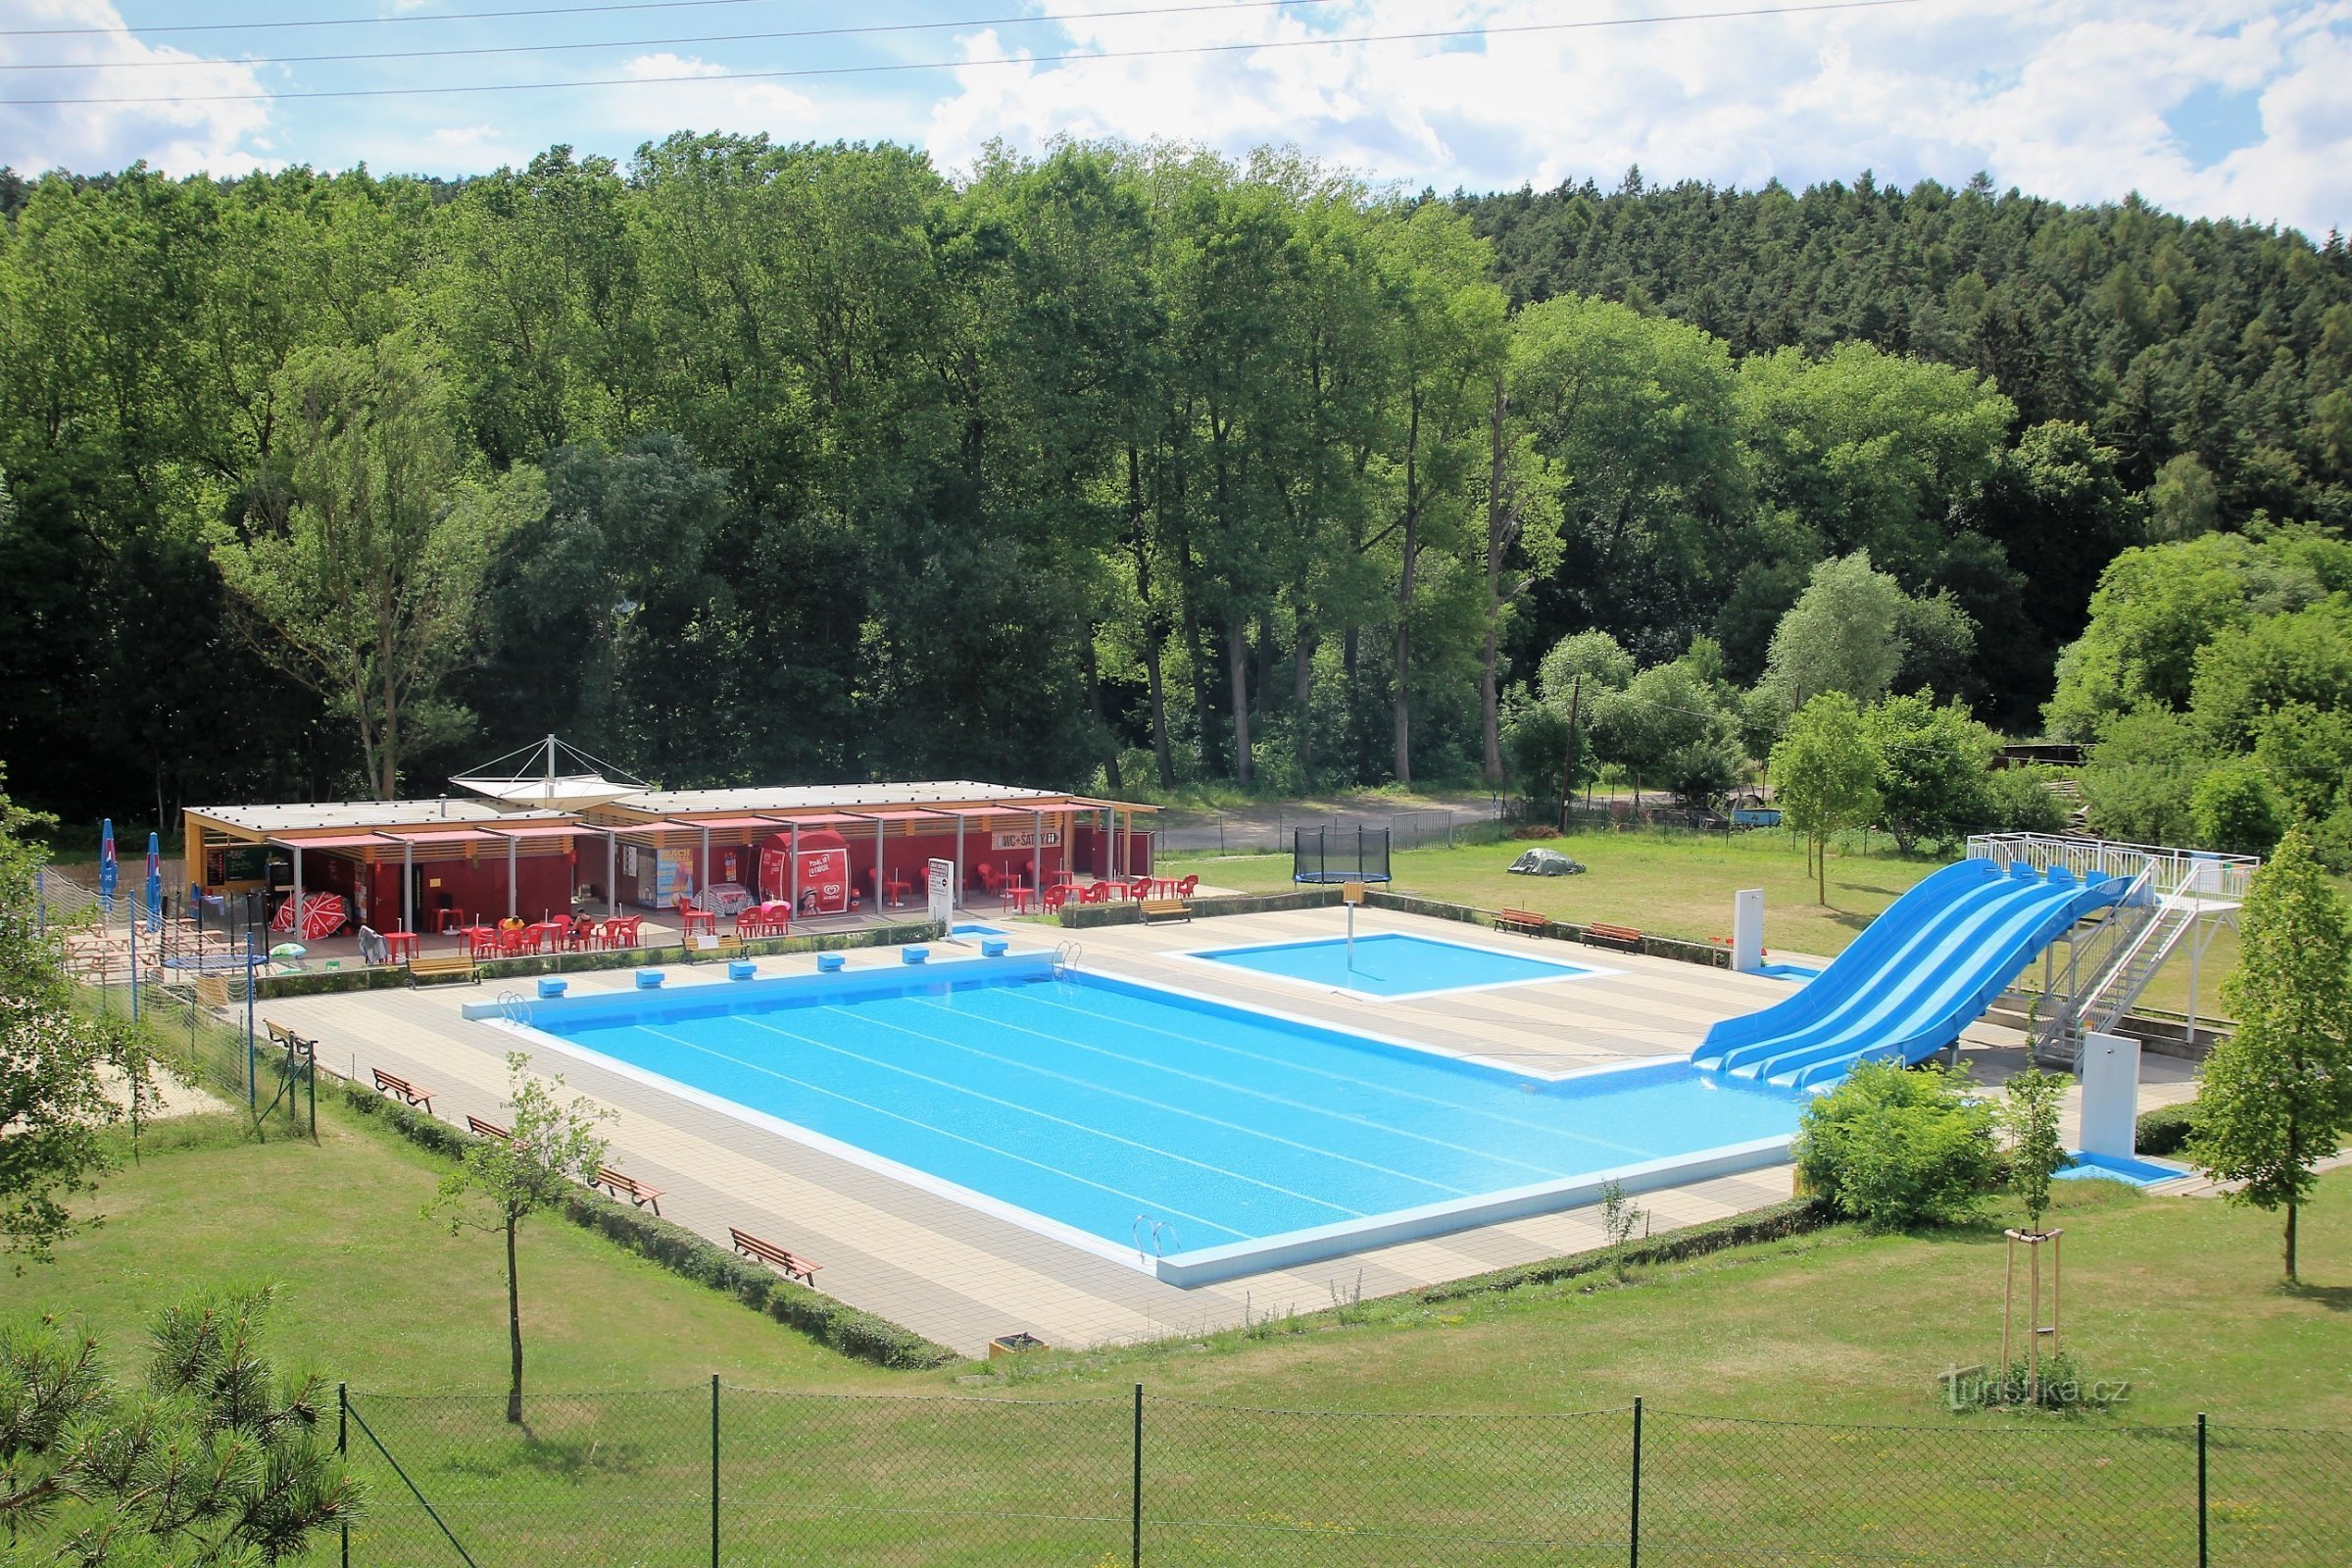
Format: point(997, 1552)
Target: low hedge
point(683, 1252)
point(392, 976)
point(2166, 1130)
point(1777, 1223)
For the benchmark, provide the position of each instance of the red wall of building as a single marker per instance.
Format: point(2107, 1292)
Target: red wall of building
point(542, 885)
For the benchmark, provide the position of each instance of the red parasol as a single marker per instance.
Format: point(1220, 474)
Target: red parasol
point(323, 915)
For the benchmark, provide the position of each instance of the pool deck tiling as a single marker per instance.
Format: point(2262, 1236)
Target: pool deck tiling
point(962, 1277)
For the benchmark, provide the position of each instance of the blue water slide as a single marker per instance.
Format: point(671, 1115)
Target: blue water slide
point(1948, 946)
point(1863, 957)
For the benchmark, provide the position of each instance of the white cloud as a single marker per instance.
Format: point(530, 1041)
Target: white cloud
point(179, 137)
point(2065, 100)
point(710, 101)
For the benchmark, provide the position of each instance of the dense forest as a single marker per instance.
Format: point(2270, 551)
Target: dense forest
point(1130, 465)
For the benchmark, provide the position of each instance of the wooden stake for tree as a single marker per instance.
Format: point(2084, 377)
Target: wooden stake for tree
point(2036, 1328)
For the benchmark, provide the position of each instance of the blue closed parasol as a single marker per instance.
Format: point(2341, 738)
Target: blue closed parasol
point(110, 874)
point(155, 882)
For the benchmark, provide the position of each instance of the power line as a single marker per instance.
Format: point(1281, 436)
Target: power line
point(1032, 18)
point(370, 21)
point(709, 78)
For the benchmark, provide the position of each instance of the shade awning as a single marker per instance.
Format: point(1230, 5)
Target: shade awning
point(564, 792)
point(444, 836)
point(726, 824)
point(339, 841)
point(817, 819)
point(551, 830)
point(899, 815)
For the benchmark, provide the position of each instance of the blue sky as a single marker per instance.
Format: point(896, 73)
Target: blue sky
point(2214, 107)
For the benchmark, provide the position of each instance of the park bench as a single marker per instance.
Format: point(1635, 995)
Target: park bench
point(1599, 935)
point(487, 1129)
point(402, 1090)
point(1164, 910)
point(281, 1035)
point(1527, 920)
point(628, 1187)
point(444, 967)
point(794, 1265)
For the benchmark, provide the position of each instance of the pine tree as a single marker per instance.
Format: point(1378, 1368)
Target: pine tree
point(2278, 1092)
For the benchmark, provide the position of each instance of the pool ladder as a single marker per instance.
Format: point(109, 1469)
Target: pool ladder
point(1159, 1228)
point(1065, 957)
point(513, 1008)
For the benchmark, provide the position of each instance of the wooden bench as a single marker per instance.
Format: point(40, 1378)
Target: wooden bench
point(628, 1187)
point(444, 967)
point(402, 1090)
point(1527, 920)
point(281, 1035)
point(487, 1129)
point(1164, 910)
point(1599, 935)
point(795, 1266)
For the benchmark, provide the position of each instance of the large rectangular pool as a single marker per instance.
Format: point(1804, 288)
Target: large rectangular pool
point(1182, 1135)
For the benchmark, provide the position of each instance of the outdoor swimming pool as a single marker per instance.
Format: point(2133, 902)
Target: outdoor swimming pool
point(1184, 1136)
point(1390, 963)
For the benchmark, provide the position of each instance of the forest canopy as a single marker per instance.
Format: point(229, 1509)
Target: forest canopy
point(1125, 464)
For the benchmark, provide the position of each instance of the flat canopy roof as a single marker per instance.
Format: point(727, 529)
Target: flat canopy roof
point(916, 815)
point(854, 797)
point(338, 841)
point(304, 816)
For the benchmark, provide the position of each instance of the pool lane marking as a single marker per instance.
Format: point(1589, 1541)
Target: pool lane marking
point(1166, 1109)
point(1026, 1111)
point(852, 1100)
point(1345, 1078)
point(1254, 1094)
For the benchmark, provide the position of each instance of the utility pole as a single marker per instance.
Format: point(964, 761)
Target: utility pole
point(1575, 698)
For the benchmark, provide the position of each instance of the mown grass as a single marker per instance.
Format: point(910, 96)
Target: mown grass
point(1485, 1463)
point(1681, 884)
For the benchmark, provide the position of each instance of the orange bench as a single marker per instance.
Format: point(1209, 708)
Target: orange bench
point(794, 1265)
point(1527, 920)
point(487, 1129)
point(619, 1186)
point(400, 1089)
point(1613, 936)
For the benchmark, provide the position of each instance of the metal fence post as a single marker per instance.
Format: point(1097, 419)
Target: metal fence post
point(2204, 1547)
point(1634, 1522)
point(714, 1470)
point(342, 1448)
point(1135, 1538)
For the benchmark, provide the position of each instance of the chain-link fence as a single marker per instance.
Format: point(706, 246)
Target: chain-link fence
point(719, 1474)
point(186, 979)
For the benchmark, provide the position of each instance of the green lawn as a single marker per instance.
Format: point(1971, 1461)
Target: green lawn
point(2176, 1296)
point(1681, 885)
point(376, 1294)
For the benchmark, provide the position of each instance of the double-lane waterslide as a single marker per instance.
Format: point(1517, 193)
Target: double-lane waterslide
point(1917, 975)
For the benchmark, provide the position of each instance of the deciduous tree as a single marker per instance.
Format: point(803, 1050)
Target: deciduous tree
point(2277, 1091)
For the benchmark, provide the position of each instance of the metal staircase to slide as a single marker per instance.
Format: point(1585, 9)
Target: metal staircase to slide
point(2112, 963)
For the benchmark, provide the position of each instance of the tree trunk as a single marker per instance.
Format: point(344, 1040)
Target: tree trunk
point(1489, 719)
point(1237, 664)
point(1303, 694)
point(1094, 705)
point(514, 1331)
point(2290, 1241)
point(1821, 873)
point(1154, 637)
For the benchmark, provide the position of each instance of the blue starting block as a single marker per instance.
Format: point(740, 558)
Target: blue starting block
point(740, 970)
point(913, 955)
point(994, 946)
point(648, 979)
point(830, 962)
point(550, 989)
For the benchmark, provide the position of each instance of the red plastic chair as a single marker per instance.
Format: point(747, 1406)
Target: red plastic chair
point(1187, 886)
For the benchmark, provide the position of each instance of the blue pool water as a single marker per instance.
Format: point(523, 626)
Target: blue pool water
point(2123, 1168)
point(1090, 1102)
point(969, 930)
point(1392, 965)
point(1789, 971)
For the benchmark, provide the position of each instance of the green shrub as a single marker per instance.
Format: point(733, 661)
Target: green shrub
point(2019, 800)
point(1896, 1149)
point(2166, 1130)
